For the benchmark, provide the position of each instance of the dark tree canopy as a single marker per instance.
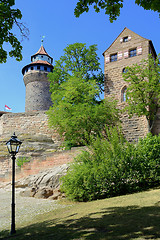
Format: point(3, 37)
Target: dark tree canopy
point(113, 7)
point(8, 18)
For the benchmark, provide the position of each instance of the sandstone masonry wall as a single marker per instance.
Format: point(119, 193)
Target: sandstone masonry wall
point(114, 83)
point(32, 128)
point(156, 127)
point(5, 166)
point(33, 123)
point(38, 164)
point(1, 126)
point(38, 96)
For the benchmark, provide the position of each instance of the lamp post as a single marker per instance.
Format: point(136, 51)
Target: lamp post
point(13, 146)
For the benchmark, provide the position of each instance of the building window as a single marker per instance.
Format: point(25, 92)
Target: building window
point(132, 52)
point(123, 94)
point(32, 68)
point(38, 67)
point(125, 39)
point(113, 57)
point(124, 70)
point(45, 68)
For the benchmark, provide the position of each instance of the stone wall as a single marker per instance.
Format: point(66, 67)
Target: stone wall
point(1, 131)
point(32, 123)
point(33, 130)
point(156, 126)
point(38, 96)
point(5, 166)
point(114, 83)
point(38, 163)
point(134, 128)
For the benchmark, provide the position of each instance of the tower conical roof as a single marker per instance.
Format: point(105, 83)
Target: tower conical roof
point(39, 60)
point(42, 51)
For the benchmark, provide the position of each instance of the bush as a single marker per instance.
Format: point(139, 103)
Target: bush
point(148, 153)
point(101, 171)
point(21, 160)
point(113, 167)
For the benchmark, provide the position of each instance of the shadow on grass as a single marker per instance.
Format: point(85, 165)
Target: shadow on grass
point(110, 224)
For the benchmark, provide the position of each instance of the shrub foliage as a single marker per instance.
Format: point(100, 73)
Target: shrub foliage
point(113, 167)
point(21, 160)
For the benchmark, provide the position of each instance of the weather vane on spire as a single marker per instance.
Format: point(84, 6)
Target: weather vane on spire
point(42, 40)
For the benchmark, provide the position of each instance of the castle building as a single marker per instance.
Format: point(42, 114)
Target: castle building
point(36, 81)
point(127, 49)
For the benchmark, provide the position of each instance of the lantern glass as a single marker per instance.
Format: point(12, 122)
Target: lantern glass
point(13, 145)
point(9, 147)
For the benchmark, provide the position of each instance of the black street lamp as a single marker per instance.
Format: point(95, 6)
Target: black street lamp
point(13, 146)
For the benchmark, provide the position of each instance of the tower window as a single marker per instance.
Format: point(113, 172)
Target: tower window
point(132, 52)
point(41, 56)
point(125, 39)
point(124, 70)
point(123, 94)
point(113, 57)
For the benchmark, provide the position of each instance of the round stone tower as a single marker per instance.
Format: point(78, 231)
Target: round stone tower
point(38, 97)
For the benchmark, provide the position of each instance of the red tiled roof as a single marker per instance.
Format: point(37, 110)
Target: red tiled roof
point(43, 62)
point(37, 62)
point(42, 51)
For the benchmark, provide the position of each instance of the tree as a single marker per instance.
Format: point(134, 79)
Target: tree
point(143, 91)
point(78, 113)
point(112, 7)
point(78, 58)
point(8, 18)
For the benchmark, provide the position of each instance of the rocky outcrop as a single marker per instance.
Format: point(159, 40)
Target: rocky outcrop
point(33, 145)
point(45, 184)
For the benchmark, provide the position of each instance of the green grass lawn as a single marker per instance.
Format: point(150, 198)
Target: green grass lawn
point(134, 216)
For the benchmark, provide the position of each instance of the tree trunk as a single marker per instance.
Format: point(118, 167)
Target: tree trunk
point(151, 124)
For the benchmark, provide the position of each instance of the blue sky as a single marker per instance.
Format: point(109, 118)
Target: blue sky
point(56, 20)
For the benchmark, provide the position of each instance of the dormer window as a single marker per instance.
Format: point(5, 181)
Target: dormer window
point(113, 57)
point(125, 39)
